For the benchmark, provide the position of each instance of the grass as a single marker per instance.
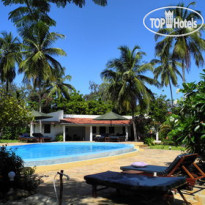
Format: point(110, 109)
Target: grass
point(8, 141)
point(167, 147)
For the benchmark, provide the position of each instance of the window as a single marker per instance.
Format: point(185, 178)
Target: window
point(94, 130)
point(102, 130)
point(47, 128)
point(111, 130)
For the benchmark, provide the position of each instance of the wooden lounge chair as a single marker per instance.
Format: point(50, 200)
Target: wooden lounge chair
point(154, 190)
point(27, 138)
point(41, 137)
point(183, 165)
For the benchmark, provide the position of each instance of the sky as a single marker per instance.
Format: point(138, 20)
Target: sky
point(93, 35)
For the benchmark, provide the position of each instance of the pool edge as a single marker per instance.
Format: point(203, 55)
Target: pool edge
point(57, 167)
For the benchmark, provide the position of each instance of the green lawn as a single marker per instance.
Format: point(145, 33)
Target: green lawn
point(167, 147)
point(8, 141)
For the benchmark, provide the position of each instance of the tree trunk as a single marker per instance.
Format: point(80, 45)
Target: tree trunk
point(39, 100)
point(183, 72)
point(170, 86)
point(134, 127)
point(40, 109)
point(7, 86)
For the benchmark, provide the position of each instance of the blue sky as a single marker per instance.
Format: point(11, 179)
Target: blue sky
point(94, 33)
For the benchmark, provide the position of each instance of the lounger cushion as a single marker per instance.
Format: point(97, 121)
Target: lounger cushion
point(134, 182)
point(139, 164)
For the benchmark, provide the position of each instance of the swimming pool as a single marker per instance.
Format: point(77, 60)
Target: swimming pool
point(58, 153)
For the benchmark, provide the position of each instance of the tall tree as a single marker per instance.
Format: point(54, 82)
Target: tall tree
point(167, 70)
point(39, 64)
point(184, 47)
point(79, 3)
point(127, 83)
point(58, 86)
point(31, 11)
point(10, 55)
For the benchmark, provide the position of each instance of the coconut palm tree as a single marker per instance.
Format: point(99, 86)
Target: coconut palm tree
point(79, 3)
point(39, 64)
point(10, 55)
point(167, 70)
point(126, 81)
point(58, 87)
point(31, 11)
point(44, 4)
point(185, 47)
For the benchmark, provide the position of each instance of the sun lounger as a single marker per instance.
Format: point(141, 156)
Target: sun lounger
point(147, 186)
point(27, 138)
point(41, 137)
point(180, 166)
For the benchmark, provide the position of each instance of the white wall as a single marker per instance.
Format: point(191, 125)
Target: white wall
point(57, 116)
point(55, 129)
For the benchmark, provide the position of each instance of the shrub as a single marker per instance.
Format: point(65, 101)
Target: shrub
point(14, 117)
point(59, 137)
point(189, 125)
point(149, 141)
point(168, 142)
point(24, 179)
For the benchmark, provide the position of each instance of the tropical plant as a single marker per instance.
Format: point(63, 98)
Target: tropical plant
point(31, 11)
point(39, 65)
point(79, 3)
point(13, 115)
point(57, 87)
point(158, 112)
point(183, 48)
point(126, 81)
point(167, 71)
point(24, 177)
point(149, 141)
point(45, 7)
point(10, 55)
point(142, 126)
point(97, 92)
point(189, 127)
point(59, 137)
point(78, 105)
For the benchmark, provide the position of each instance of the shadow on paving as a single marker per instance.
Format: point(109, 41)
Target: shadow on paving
point(78, 192)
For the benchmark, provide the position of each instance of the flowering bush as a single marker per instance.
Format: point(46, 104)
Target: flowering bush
point(189, 125)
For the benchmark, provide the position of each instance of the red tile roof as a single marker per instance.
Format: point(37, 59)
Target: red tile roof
point(91, 121)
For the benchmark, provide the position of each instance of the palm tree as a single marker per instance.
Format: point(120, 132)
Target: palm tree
point(39, 65)
point(127, 82)
point(31, 11)
point(79, 3)
point(44, 4)
point(167, 70)
point(184, 47)
point(10, 55)
point(58, 87)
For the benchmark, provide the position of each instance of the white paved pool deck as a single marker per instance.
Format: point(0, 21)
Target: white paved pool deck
point(76, 191)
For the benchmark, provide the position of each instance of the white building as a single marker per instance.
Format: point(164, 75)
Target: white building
point(80, 127)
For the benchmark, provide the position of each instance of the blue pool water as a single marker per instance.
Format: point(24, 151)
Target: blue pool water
point(57, 153)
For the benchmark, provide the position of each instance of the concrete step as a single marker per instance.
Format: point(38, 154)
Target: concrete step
point(138, 145)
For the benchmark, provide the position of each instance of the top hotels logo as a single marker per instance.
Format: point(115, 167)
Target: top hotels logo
point(172, 22)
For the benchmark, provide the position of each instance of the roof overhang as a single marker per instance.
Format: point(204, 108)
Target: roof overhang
point(88, 121)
